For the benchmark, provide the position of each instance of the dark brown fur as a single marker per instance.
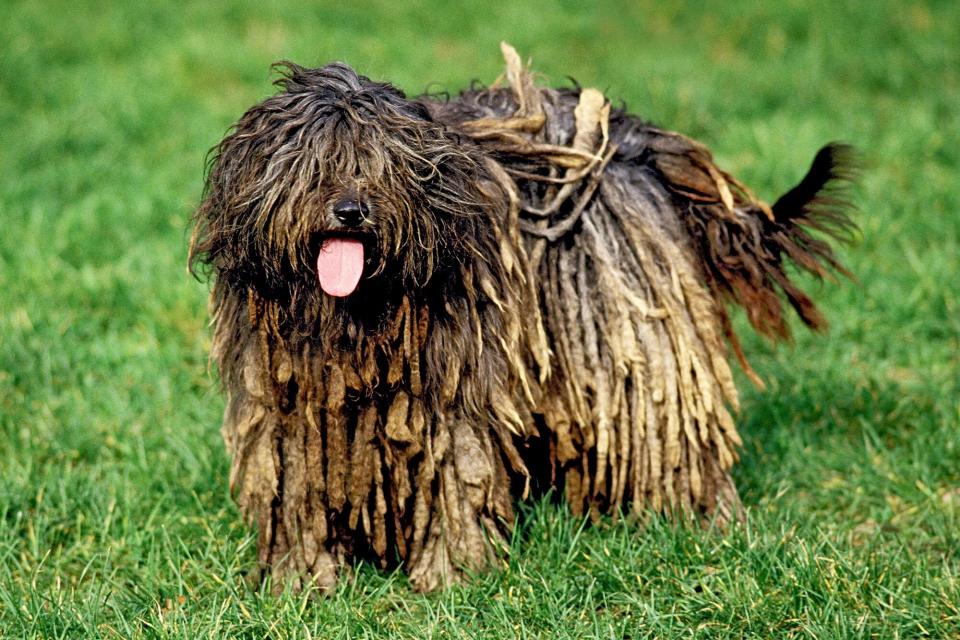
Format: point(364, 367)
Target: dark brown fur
point(544, 302)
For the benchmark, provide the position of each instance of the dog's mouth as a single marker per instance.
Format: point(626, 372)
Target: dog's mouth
point(340, 263)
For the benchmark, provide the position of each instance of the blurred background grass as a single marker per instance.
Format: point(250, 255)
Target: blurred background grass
point(115, 520)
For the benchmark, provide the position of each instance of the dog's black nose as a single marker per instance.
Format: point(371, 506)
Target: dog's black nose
point(350, 213)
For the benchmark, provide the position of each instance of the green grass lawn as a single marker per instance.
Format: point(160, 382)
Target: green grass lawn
point(115, 519)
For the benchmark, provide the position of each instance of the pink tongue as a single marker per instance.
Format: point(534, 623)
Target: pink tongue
point(340, 265)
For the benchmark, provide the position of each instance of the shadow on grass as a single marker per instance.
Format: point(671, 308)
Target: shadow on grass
point(841, 420)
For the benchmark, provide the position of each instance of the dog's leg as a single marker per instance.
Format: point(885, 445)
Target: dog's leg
point(275, 476)
point(460, 526)
point(638, 406)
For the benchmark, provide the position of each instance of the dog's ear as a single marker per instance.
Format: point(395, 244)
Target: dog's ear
point(227, 239)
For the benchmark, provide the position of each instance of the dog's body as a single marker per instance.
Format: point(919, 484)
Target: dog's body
point(424, 307)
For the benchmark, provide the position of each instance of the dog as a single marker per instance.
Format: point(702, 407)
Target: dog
point(424, 309)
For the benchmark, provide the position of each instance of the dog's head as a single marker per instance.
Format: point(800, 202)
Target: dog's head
point(337, 195)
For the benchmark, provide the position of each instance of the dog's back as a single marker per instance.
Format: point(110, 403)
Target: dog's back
point(636, 259)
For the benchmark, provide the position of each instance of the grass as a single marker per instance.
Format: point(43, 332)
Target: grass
point(115, 519)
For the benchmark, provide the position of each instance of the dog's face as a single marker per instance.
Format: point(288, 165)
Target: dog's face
point(337, 194)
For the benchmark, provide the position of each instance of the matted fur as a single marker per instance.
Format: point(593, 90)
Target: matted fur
point(542, 302)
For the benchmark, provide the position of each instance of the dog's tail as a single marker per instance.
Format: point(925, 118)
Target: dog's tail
point(744, 245)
